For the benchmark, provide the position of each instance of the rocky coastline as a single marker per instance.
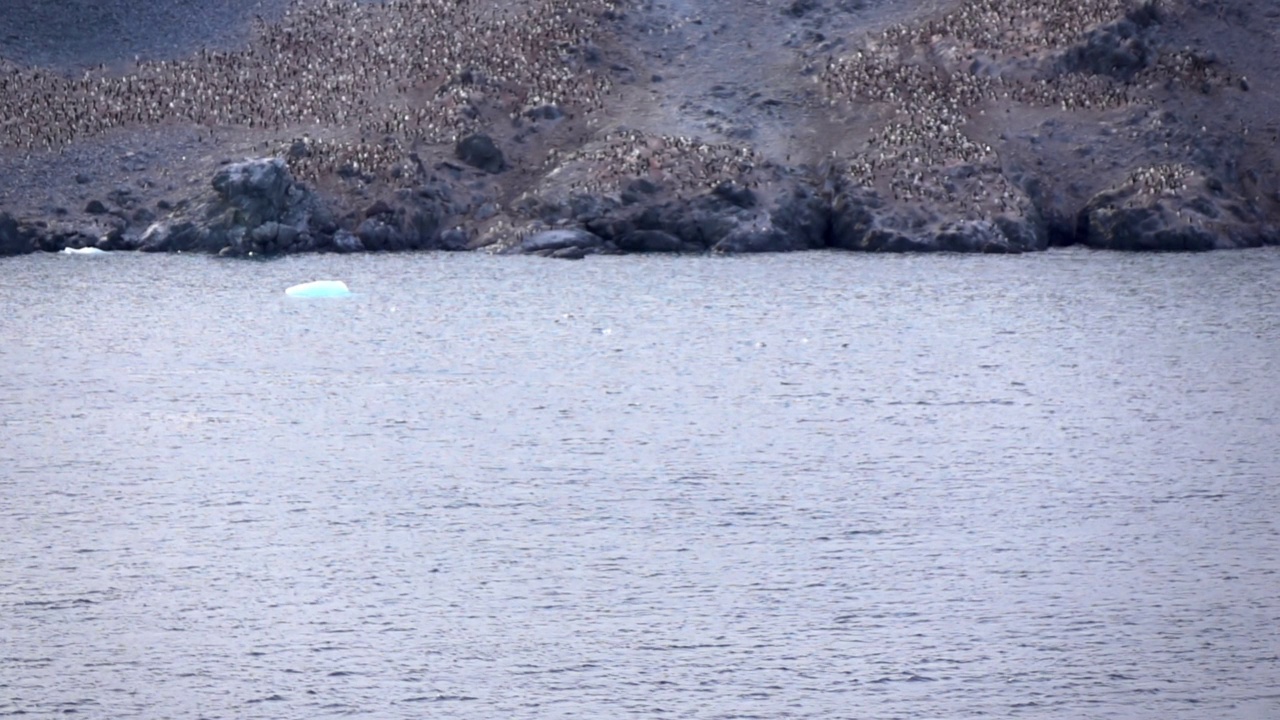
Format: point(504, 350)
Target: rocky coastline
point(942, 139)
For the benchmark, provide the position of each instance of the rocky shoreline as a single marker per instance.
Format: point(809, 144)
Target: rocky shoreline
point(945, 136)
point(256, 208)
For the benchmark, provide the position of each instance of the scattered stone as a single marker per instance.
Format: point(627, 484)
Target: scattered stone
point(95, 207)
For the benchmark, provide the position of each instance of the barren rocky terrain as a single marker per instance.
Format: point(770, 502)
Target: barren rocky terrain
point(574, 127)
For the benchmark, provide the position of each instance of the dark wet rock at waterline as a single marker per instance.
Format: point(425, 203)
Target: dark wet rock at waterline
point(257, 208)
point(862, 220)
point(414, 220)
point(20, 237)
point(732, 218)
point(15, 238)
point(655, 241)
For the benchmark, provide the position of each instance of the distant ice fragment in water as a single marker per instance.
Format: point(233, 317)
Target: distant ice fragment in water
point(319, 289)
point(83, 251)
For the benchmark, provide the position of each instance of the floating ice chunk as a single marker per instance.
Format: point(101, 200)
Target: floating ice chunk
point(83, 251)
point(319, 289)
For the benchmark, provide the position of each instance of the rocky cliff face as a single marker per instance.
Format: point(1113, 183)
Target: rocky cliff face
point(572, 127)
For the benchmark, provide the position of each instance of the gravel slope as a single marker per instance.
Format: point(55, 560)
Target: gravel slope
point(74, 34)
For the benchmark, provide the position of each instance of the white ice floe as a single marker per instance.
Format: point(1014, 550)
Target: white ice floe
point(319, 289)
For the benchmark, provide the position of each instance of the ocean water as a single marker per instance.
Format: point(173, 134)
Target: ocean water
point(793, 486)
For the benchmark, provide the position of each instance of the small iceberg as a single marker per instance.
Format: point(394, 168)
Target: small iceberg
point(319, 289)
point(83, 251)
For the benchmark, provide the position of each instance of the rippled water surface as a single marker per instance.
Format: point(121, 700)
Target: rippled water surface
point(798, 486)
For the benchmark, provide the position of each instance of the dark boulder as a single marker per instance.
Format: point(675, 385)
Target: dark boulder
point(256, 208)
point(377, 235)
point(638, 190)
point(455, 240)
point(480, 151)
point(345, 241)
point(1118, 49)
point(255, 191)
point(380, 207)
point(273, 238)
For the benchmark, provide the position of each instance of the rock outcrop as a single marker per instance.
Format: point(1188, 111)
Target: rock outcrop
point(1117, 49)
point(1173, 209)
point(256, 208)
point(863, 220)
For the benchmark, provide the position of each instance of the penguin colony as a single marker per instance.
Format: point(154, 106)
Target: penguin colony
point(683, 164)
point(1159, 180)
point(414, 70)
point(365, 85)
point(1156, 184)
point(912, 154)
